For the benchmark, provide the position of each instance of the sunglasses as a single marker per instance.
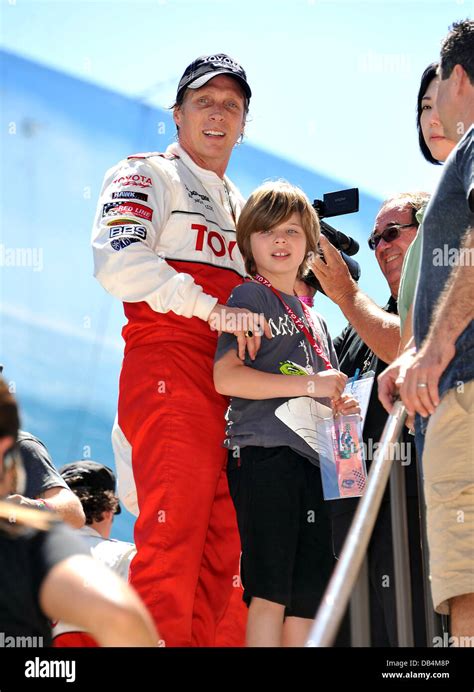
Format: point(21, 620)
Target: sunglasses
point(388, 234)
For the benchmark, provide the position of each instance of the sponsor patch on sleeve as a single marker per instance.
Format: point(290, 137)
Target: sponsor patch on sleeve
point(119, 221)
point(130, 194)
point(125, 208)
point(128, 231)
point(134, 180)
point(120, 243)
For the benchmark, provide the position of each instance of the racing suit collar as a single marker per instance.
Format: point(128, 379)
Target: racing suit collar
point(209, 177)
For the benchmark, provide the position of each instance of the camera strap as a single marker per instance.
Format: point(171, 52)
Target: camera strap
point(298, 322)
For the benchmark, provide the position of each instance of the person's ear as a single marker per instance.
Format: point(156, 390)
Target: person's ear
point(5, 444)
point(177, 115)
point(6, 475)
point(461, 78)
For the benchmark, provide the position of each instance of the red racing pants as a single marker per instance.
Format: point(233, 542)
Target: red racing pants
point(74, 639)
point(187, 566)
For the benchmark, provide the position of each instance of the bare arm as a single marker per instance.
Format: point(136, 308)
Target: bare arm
point(83, 592)
point(388, 379)
point(453, 313)
point(377, 328)
point(66, 504)
point(233, 378)
point(455, 308)
point(60, 500)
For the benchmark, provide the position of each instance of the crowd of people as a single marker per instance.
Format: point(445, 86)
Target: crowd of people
point(235, 541)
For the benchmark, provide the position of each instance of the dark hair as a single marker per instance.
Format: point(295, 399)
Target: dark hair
point(426, 78)
point(95, 503)
point(9, 419)
point(458, 49)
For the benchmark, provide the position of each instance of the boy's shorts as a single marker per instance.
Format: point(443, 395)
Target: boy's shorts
point(448, 469)
point(284, 528)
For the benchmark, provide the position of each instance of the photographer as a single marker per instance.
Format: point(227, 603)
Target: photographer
point(369, 341)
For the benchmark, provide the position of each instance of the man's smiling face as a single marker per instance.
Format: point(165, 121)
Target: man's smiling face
point(210, 121)
point(390, 254)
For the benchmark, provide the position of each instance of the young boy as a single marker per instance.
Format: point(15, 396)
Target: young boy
point(273, 473)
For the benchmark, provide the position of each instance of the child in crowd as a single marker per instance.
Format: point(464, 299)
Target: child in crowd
point(273, 473)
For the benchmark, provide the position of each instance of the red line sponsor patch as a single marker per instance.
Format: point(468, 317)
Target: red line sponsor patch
point(124, 208)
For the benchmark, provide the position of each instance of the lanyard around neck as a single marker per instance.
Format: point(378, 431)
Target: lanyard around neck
point(298, 322)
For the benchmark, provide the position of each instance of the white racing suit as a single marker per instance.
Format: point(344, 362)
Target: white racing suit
point(164, 243)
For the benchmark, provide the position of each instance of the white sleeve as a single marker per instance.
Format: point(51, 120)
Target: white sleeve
point(134, 205)
point(123, 565)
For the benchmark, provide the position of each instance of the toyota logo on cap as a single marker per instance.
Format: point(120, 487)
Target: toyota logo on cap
point(206, 67)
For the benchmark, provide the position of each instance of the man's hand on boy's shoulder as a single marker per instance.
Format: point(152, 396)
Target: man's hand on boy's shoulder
point(248, 327)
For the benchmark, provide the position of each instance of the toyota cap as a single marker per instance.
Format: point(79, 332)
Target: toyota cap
point(206, 67)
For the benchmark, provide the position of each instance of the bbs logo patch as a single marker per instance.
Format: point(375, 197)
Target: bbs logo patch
point(128, 231)
point(120, 243)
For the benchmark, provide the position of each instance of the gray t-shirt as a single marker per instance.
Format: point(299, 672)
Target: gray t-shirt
point(449, 214)
point(254, 423)
point(41, 475)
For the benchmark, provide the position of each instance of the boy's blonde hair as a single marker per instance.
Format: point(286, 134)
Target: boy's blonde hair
point(270, 204)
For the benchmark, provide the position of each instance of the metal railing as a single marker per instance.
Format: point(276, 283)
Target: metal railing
point(347, 574)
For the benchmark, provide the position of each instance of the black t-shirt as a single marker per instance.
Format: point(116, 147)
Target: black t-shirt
point(354, 354)
point(26, 558)
point(41, 474)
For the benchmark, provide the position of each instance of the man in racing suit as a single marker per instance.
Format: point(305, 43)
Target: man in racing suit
point(164, 243)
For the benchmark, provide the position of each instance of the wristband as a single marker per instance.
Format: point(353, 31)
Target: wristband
point(42, 504)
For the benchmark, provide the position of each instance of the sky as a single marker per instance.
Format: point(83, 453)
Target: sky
point(334, 83)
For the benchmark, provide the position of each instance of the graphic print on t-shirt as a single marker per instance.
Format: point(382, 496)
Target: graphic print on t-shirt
point(287, 367)
point(285, 327)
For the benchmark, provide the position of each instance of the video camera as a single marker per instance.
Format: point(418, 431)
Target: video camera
point(337, 204)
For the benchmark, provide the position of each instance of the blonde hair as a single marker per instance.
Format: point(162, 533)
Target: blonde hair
point(271, 204)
